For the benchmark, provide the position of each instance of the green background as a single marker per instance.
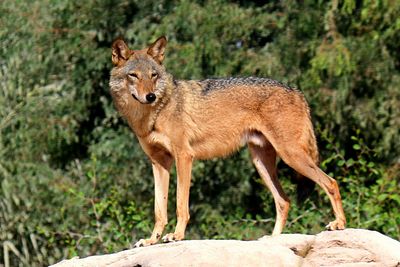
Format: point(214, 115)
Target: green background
point(73, 179)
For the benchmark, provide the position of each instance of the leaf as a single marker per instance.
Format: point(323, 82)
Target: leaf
point(371, 164)
point(350, 162)
point(382, 197)
point(356, 147)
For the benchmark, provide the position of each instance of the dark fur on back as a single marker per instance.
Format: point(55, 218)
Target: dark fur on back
point(222, 83)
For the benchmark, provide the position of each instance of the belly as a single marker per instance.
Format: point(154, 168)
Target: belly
point(215, 146)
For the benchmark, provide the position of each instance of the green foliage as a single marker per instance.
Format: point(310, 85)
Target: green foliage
point(74, 181)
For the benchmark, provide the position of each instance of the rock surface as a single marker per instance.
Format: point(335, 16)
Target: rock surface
point(350, 247)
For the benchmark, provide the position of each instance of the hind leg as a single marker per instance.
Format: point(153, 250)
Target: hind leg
point(264, 158)
point(302, 162)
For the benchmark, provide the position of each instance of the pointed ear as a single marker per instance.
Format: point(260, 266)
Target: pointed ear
point(120, 52)
point(156, 50)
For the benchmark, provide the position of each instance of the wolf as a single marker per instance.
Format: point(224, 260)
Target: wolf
point(179, 121)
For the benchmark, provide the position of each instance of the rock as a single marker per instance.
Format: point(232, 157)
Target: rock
point(196, 253)
point(350, 247)
point(298, 243)
point(353, 247)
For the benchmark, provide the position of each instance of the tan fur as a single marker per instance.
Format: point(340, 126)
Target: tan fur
point(213, 118)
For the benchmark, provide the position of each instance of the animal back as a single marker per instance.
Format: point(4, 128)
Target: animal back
point(209, 85)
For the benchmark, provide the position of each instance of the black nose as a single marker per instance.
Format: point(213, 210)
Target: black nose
point(150, 97)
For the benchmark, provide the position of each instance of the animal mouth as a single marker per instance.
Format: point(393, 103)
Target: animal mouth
point(145, 103)
point(133, 95)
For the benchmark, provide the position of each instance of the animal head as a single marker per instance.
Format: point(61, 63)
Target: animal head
point(139, 71)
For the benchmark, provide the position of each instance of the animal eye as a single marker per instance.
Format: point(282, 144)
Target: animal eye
point(154, 75)
point(133, 75)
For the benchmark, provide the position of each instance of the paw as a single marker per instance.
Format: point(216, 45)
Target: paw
point(172, 237)
point(335, 225)
point(144, 243)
